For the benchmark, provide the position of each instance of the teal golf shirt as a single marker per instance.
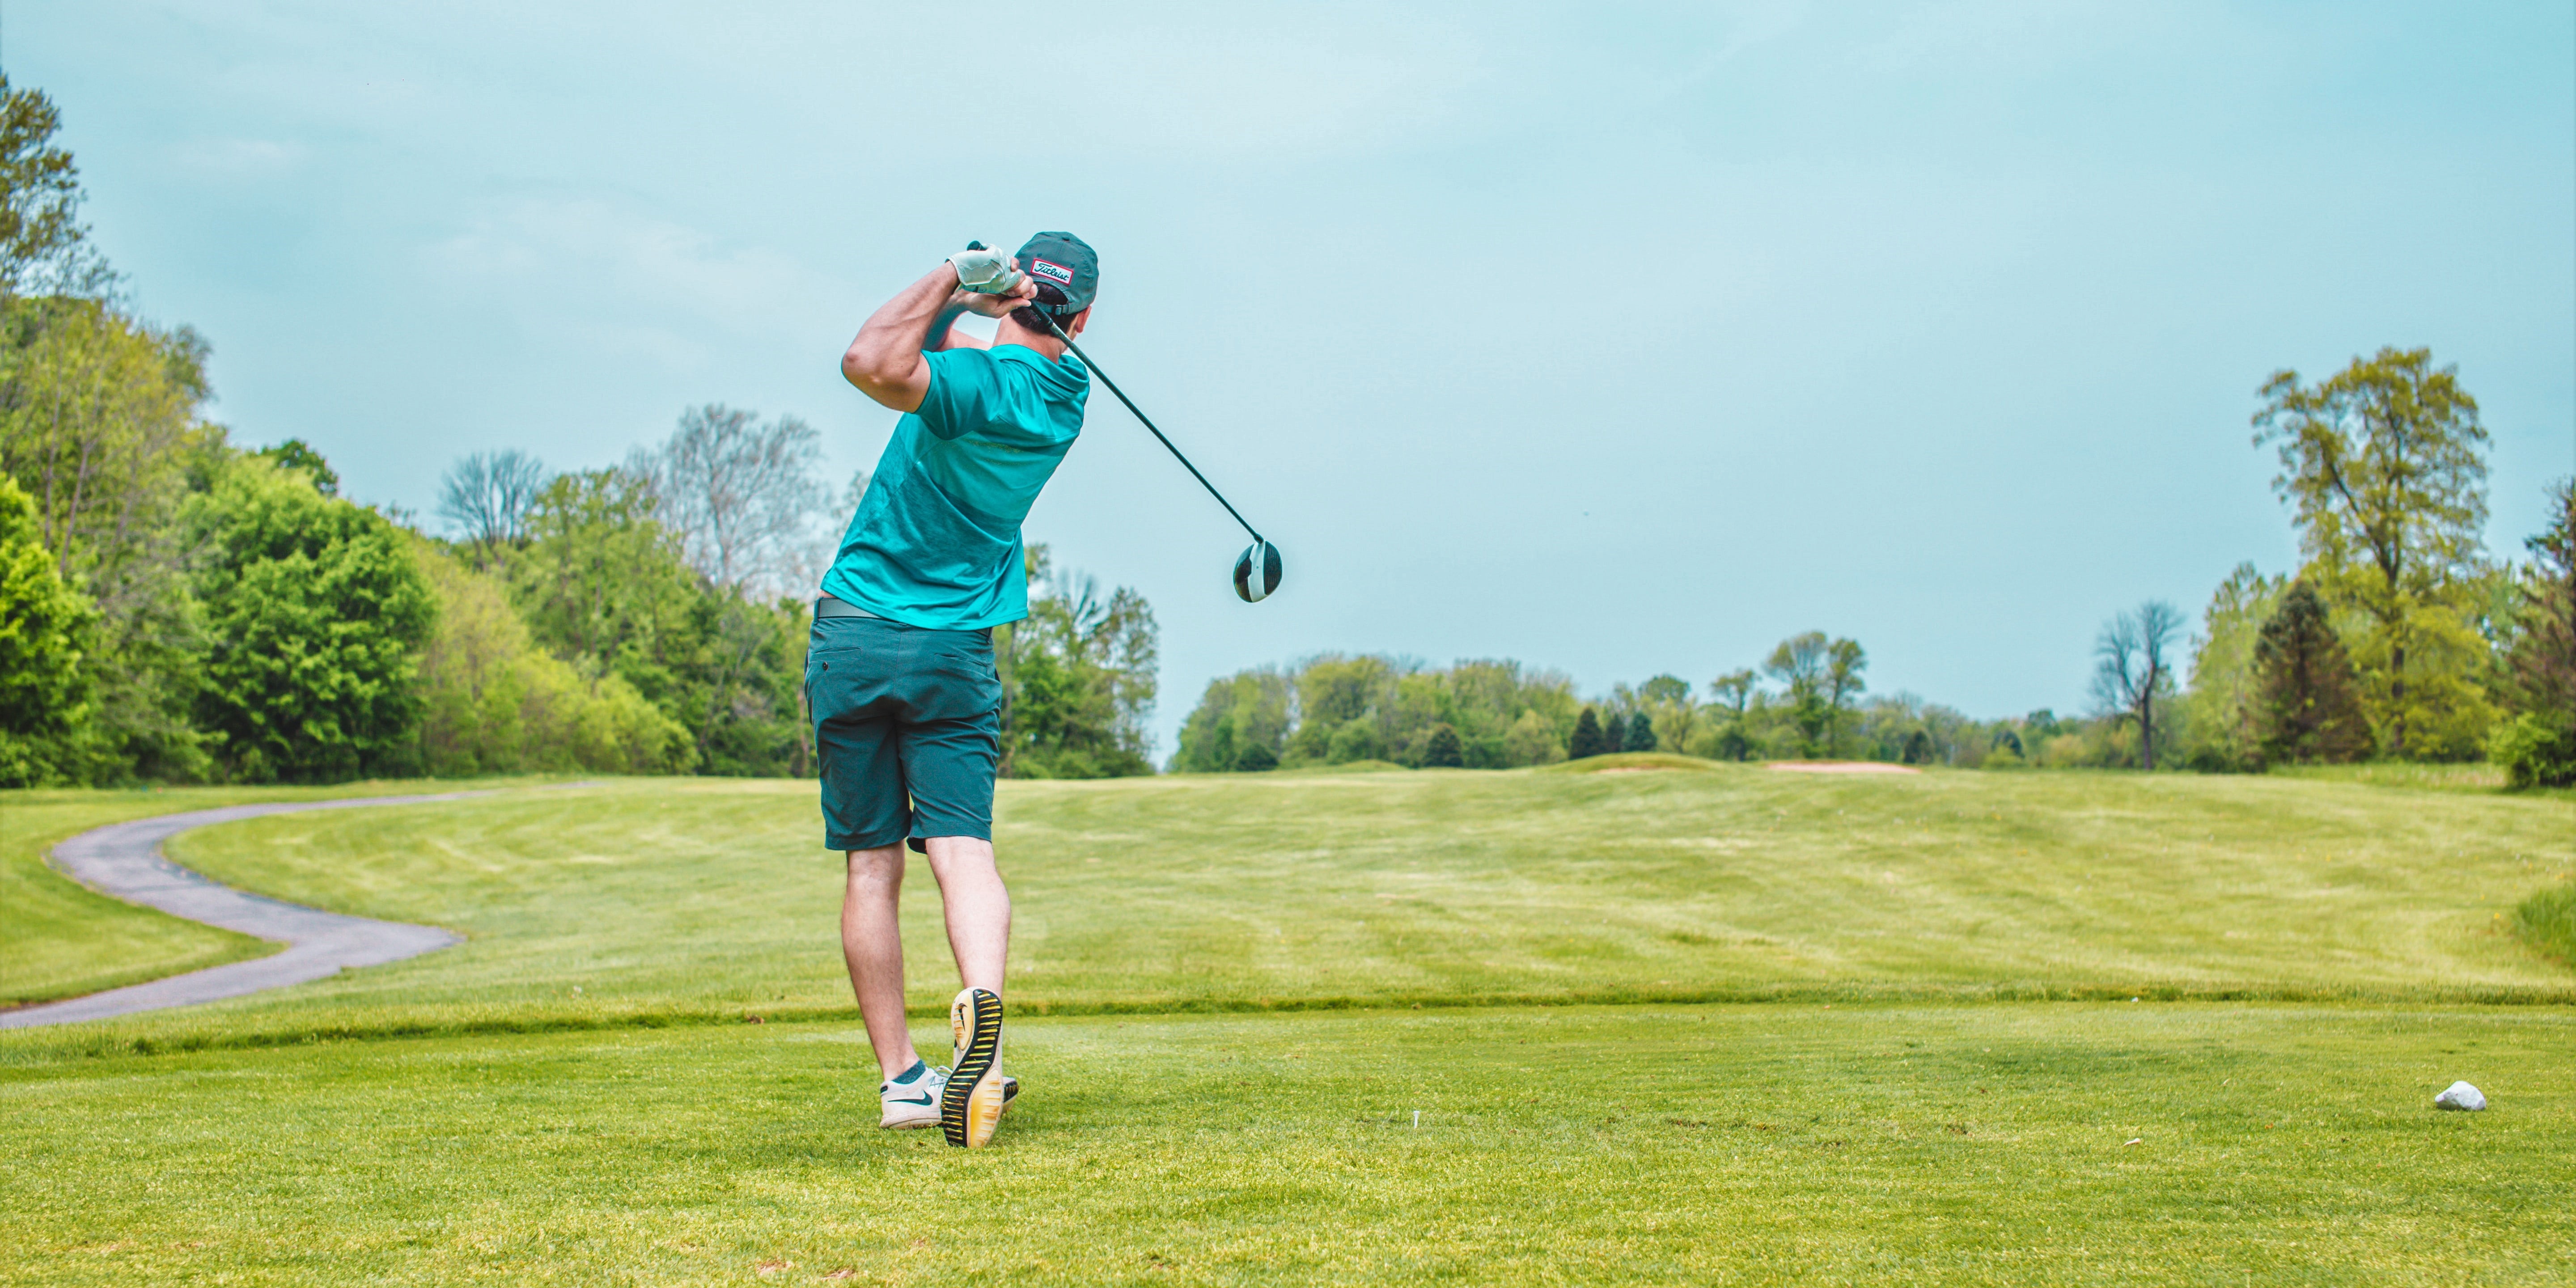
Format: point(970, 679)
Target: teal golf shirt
point(936, 541)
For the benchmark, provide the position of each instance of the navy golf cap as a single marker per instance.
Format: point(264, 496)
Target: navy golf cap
point(1065, 269)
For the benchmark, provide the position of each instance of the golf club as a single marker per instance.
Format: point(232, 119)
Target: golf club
point(1257, 570)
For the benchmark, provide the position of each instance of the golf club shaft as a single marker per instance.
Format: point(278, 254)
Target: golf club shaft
point(1148, 422)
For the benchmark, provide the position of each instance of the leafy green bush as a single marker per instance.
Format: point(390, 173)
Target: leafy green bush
point(2547, 921)
point(1532, 740)
point(498, 704)
point(2534, 751)
point(45, 626)
point(317, 610)
point(1442, 750)
point(1356, 740)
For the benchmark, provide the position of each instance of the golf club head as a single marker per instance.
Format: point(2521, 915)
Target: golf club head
point(1256, 572)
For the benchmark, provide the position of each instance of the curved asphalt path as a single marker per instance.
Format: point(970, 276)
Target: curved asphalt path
point(124, 860)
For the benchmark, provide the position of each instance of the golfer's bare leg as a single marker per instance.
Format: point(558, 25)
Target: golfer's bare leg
point(979, 908)
point(872, 943)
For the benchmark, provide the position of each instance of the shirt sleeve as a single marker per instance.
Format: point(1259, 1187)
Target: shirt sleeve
point(964, 389)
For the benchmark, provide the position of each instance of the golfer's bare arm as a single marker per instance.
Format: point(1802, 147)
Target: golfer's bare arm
point(885, 360)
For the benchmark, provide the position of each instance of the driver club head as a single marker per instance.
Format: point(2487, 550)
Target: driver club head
point(1256, 572)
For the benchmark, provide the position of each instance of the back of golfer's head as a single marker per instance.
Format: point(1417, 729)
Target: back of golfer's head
point(1067, 273)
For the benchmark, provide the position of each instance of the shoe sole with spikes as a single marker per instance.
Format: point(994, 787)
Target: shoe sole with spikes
point(970, 1106)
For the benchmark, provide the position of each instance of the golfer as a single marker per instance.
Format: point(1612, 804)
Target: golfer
point(900, 676)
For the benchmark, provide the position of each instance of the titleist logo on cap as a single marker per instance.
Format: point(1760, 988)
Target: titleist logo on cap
point(1056, 273)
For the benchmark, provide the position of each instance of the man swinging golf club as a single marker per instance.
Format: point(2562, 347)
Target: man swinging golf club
point(900, 678)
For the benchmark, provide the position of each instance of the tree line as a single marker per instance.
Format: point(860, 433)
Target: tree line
point(1806, 699)
point(2398, 637)
point(176, 607)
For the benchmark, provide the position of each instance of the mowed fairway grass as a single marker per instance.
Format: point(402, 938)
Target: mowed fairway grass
point(1702, 1025)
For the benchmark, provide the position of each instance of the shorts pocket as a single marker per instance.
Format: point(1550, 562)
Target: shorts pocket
point(966, 666)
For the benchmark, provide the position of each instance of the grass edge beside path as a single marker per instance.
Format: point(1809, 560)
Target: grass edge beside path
point(60, 939)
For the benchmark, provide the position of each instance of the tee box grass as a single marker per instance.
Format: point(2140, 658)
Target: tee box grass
point(1796, 1029)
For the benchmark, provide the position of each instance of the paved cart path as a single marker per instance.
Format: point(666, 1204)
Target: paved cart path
point(125, 860)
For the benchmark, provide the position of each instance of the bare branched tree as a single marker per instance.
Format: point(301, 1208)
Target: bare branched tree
point(486, 496)
point(743, 498)
point(2133, 675)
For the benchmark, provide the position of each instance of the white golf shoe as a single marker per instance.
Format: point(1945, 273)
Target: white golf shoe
point(911, 1098)
point(907, 1105)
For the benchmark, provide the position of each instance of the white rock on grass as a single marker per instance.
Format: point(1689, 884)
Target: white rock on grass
point(2460, 1095)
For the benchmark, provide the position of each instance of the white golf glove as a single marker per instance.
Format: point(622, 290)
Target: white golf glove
point(987, 272)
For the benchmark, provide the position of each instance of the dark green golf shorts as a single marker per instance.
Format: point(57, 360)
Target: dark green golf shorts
point(908, 725)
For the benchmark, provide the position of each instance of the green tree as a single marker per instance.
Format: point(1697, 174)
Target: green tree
point(43, 246)
point(2216, 711)
point(1844, 662)
point(1532, 740)
point(495, 703)
point(1588, 740)
point(1235, 712)
point(2541, 659)
point(1335, 693)
point(45, 631)
point(1614, 734)
point(1664, 688)
point(317, 610)
point(296, 454)
point(2304, 703)
point(1733, 694)
point(2537, 747)
point(745, 692)
point(1078, 678)
point(1356, 739)
point(602, 579)
point(1442, 750)
point(1255, 758)
point(1336, 708)
point(2385, 467)
point(99, 424)
point(1640, 734)
point(1671, 711)
point(1800, 664)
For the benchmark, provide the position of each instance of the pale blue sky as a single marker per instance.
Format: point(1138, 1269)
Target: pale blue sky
point(1621, 339)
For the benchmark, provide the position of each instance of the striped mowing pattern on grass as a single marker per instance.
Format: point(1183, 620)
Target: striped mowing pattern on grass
point(698, 900)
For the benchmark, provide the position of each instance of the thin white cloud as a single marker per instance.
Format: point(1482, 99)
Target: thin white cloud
point(235, 160)
point(1259, 91)
point(562, 264)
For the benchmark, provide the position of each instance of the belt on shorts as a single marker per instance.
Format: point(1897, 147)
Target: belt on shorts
point(828, 606)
